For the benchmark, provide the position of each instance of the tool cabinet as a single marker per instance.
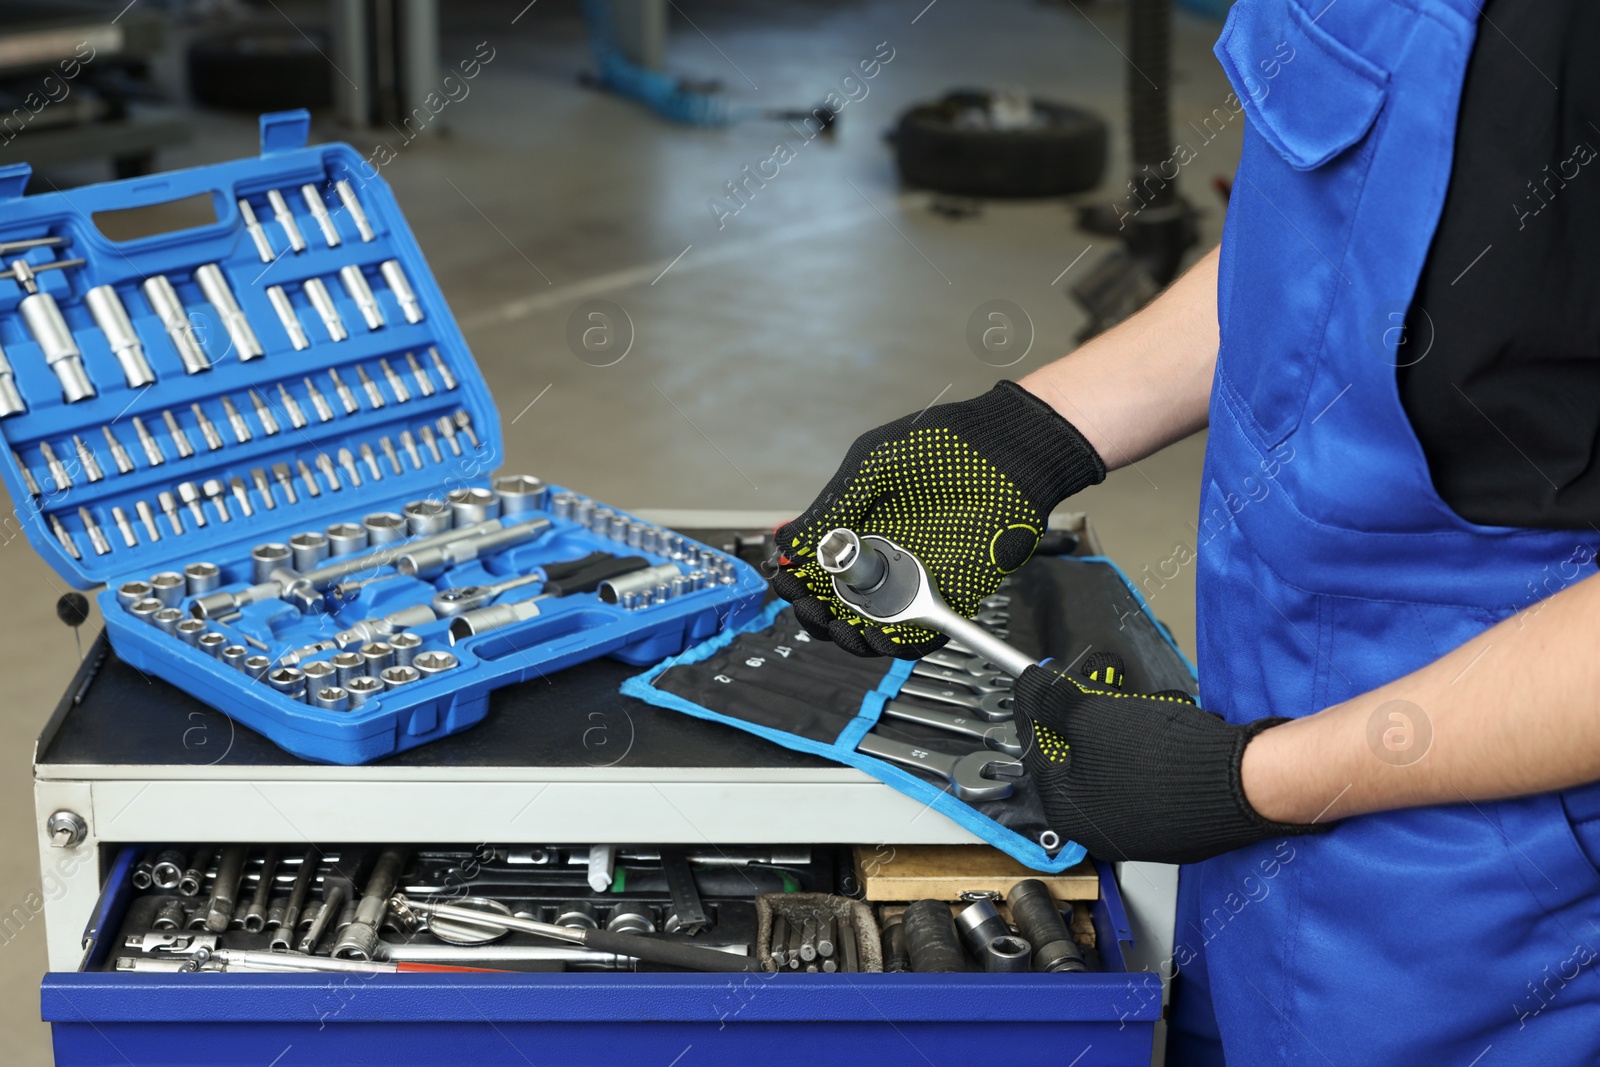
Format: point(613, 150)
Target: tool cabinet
point(563, 760)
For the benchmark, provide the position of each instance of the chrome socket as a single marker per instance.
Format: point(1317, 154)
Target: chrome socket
point(309, 550)
point(395, 276)
point(291, 322)
point(168, 588)
point(331, 698)
point(167, 619)
point(379, 656)
point(520, 493)
point(347, 665)
point(427, 517)
point(175, 320)
point(144, 610)
point(429, 664)
point(618, 528)
point(130, 593)
point(266, 558)
point(257, 666)
point(563, 504)
point(395, 677)
point(600, 520)
point(202, 578)
point(212, 643)
point(384, 528)
point(346, 538)
point(355, 284)
point(215, 287)
point(235, 655)
point(473, 505)
point(53, 335)
point(319, 673)
point(362, 688)
point(612, 590)
point(329, 313)
point(111, 316)
point(290, 681)
point(319, 211)
point(405, 647)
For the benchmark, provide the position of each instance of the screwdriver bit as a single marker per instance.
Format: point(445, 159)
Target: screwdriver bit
point(448, 429)
point(152, 450)
point(215, 493)
point(148, 517)
point(125, 527)
point(318, 401)
point(308, 478)
point(388, 450)
point(179, 438)
point(347, 460)
point(263, 487)
point(90, 465)
point(169, 507)
point(396, 384)
point(426, 433)
point(241, 430)
point(190, 495)
point(285, 478)
point(424, 383)
point(27, 475)
point(241, 493)
point(374, 395)
point(208, 429)
point(269, 421)
point(118, 453)
point(346, 397)
point(464, 424)
point(97, 536)
point(58, 470)
point(445, 376)
point(409, 443)
point(65, 538)
point(371, 460)
point(297, 417)
point(325, 465)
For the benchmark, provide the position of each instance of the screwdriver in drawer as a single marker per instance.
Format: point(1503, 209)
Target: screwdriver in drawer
point(582, 580)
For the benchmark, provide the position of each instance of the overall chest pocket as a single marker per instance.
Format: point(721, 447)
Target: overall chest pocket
point(1312, 110)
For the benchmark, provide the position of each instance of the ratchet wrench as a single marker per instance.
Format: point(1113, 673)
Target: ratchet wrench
point(461, 599)
point(888, 585)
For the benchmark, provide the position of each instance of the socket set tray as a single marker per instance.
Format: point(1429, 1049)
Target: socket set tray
point(267, 437)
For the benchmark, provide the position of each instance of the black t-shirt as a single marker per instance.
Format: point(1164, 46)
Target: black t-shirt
point(1504, 390)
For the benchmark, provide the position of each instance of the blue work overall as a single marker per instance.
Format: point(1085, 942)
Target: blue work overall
point(1329, 566)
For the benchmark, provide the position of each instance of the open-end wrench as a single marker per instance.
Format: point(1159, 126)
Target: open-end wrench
point(978, 683)
point(995, 706)
point(1000, 736)
point(971, 777)
point(888, 585)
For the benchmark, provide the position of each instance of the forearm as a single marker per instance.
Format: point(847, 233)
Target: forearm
point(1514, 711)
point(1146, 382)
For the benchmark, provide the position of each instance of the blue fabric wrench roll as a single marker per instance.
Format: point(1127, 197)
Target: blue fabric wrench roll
point(772, 679)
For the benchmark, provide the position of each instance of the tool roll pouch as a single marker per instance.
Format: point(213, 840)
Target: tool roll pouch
point(772, 679)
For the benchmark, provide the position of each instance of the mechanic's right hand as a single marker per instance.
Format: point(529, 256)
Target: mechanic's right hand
point(967, 487)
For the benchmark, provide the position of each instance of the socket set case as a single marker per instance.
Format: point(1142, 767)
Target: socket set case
point(173, 403)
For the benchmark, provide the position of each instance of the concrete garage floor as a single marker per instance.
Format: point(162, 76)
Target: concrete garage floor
point(833, 302)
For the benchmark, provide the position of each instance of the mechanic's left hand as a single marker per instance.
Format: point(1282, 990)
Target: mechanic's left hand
point(1135, 777)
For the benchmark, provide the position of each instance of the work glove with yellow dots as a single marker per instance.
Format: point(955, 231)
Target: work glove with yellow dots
point(966, 487)
point(1136, 777)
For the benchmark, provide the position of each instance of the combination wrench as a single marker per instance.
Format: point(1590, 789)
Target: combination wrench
point(995, 706)
point(1000, 736)
point(977, 683)
point(973, 776)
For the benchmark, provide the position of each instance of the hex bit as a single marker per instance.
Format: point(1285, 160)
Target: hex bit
point(86, 460)
point(297, 417)
point(65, 538)
point(308, 478)
point(263, 487)
point(148, 517)
point(58, 470)
point(180, 440)
point(97, 537)
point(374, 395)
point(124, 527)
point(119, 454)
point(396, 385)
point(269, 421)
point(445, 374)
point(318, 401)
point(419, 375)
point(342, 391)
point(285, 478)
point(152, 450)
point(371, 460)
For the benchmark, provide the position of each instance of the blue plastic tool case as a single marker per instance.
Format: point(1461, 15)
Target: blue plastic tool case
point(401, 368)
point(1099, 1019)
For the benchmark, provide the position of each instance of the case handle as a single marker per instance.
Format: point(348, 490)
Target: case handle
point(284, 131)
